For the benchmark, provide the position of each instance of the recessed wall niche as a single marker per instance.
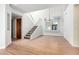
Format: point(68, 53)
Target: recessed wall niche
point(8, 21)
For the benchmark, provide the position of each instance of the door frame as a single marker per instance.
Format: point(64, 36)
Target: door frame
point(19, 21)
point(17, 16)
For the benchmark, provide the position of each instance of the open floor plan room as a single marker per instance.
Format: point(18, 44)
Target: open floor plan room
point(39, 29)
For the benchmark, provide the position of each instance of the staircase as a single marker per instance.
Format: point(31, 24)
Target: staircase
point(28, 35)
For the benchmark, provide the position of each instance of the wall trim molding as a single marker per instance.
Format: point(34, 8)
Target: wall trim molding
point(72, 43)
point(2, 47)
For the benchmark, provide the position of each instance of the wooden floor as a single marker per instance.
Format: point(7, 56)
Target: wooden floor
point(44, 45)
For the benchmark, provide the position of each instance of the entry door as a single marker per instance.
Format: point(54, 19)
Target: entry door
point(18, 28)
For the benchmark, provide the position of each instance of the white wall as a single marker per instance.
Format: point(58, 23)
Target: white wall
point(68, 23)
point(38, 30)
point(76, 25)
point(41, 14)
point(2, 26)
point(9, 10)
point(58, 11)
point(27, 24)
point(31, 19)
point(14, 28)
point(44, 14)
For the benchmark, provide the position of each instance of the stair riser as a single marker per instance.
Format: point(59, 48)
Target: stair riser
point(30, 32)
point(26, 38)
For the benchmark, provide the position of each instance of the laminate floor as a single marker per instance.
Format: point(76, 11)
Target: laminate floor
point(43, 45)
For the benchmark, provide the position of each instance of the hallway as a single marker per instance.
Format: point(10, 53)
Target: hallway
point(43, 45)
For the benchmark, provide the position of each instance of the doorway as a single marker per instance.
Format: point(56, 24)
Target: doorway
point(16, 27)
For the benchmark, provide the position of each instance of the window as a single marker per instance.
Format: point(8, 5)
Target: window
point(55, 25)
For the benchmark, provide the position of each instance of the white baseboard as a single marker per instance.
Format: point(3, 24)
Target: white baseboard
point(53, 34)
point(72, 43)
point(2, 47)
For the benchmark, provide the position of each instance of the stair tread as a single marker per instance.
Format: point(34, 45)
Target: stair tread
point(27, 36)
point(30, 32)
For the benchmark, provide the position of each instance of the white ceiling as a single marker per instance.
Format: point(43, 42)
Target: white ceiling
point(34, 7)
